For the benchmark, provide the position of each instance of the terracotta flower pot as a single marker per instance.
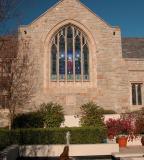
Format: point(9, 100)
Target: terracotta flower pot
point(142, 140)
point(122, 141)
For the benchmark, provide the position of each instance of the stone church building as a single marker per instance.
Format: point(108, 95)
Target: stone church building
point(81, 58)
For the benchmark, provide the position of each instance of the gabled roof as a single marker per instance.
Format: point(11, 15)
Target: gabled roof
point(133, 48)
point(60, 1)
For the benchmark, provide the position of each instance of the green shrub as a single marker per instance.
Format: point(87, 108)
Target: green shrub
point(4, 138)
point(49, 115)
point(82, 135)
point(91, 115)
point(8, 138)
point(88, 135)
point(52, 114)
point(28, 120)
point(42, 136)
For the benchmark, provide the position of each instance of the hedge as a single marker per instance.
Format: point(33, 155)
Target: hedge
point(4, 138)
point(83, 135)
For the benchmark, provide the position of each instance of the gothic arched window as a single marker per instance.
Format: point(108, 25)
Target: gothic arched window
point(69, 55)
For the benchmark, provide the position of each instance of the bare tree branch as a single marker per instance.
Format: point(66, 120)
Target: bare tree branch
point(20, 83)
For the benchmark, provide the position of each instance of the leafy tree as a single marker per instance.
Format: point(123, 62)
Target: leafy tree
point(52, 114)
point(91, 115)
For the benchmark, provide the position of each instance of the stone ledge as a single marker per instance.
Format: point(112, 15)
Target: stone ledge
point(135, 158)
point(74, 150)
point(130, 152)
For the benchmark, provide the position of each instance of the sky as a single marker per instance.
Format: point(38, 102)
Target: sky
point(127, 14)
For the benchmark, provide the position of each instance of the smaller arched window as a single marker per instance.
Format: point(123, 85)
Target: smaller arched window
point(69, 55)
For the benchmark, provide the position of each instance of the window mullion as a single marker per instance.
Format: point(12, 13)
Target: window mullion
point(82, 60)
point(139, 94)
point(66, 54)
point(2, 70)
point(141, 100)
point(58, 58)
point(73, 54)
point(136, 89)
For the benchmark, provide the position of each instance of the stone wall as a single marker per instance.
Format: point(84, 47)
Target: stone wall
point(135, 69)
point(109, 84)
point(4, 119)
point(110, 74)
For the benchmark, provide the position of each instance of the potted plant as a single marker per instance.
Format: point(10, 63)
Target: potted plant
point(122, 129)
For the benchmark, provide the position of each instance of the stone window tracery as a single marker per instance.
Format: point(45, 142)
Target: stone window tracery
point(69, 55)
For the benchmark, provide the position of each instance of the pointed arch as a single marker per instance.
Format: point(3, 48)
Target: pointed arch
point(70, 66)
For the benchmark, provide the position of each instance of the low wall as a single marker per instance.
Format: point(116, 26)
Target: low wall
point(74, 150)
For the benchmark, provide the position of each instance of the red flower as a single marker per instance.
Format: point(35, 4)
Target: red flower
point(121, 126)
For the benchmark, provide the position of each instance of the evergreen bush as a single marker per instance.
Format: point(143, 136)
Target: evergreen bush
point(92, 115)
point(52, 114)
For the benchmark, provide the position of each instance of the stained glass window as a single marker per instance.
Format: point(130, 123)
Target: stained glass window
point(69, 55)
